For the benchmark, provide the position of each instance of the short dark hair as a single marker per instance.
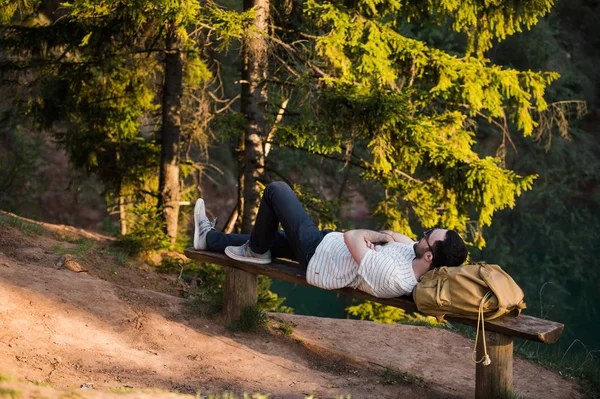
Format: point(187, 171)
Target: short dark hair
point(451, 251)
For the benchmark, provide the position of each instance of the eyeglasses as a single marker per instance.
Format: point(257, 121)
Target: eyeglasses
point(426, 234)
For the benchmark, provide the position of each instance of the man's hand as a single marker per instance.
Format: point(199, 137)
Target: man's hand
point(356, 239)
point(397, 237)
point(370, 245)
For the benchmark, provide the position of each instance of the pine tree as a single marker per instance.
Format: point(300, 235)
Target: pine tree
point(110, 69)
point(405, 112)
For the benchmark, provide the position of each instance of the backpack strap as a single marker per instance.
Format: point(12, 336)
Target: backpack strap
point(485, 359)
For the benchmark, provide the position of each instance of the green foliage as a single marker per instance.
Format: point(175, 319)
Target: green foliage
point(380, 313)
point(397, 108)
point(101, 78)
point(548, 241)
point(405, 112)
point(483, 22)
point(268, 301)
point(147, 232)
point(121, 257)
point(324, 211)
point(583, 365)
point(511, 395)
point(206, 302)
point(83, 246)
point(25, 10)
point(252, 319)
point(391, 376)
point(121, 390)
point(19, 162)
point(229, 126)
point(209, 279)
point(227, 24)
point(10, 393)
point(27, 228)
point(449, 181)
point(285, 327)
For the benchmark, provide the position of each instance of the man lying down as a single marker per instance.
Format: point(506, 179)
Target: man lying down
point(384, 264)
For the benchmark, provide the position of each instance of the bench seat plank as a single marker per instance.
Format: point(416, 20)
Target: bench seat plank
point(523, 326)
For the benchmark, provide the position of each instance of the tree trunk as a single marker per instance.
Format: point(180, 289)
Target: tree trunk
point(122, 214)
point(240, 286)
point(254, 98)
point(168, 185)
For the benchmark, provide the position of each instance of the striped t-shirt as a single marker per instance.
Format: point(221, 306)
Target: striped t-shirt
point(385, 273)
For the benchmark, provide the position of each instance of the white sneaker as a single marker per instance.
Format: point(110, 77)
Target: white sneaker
point(201, 225)
point(245, 254)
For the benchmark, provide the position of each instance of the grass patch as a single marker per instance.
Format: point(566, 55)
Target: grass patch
point(41, 384)
point(69, 238)
point(71, 395)
point(9, 393)
point(206, 302)
point(511, 395)
point(146, 233)
point(4, 378)
point(466, 331)
point(121, 257)
point(581, 364)
point(27, 228)
point(285, 327)
point(253, 318)
point(121, 390)
point(335, 366)
point(421, 322)
point(392, 376)
point(83, 246)
point(176, 265)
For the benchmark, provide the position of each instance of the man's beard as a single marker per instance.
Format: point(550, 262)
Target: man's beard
point(419, 253)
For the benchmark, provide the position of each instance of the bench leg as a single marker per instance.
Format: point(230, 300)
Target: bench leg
point(496, 379)
point(239, 292)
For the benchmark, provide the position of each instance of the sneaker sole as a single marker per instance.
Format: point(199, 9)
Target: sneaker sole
point(198, 209)
point(246, 259)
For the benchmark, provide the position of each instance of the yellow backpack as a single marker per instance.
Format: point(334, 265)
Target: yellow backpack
point(482, 292)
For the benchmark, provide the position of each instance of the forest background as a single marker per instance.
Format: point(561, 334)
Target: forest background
point(380, 114)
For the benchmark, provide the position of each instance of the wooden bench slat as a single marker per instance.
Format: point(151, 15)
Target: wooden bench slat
point(523, 326)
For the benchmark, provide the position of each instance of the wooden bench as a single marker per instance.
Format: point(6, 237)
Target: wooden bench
point(491, 381)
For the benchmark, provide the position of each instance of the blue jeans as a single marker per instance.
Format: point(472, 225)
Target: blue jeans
point(298, 240)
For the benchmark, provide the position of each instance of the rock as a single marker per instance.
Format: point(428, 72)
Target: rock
point(69, 262)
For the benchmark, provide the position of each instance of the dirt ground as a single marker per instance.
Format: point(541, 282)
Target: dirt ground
point(84, 326)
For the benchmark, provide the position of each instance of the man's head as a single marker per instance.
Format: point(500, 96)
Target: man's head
point(441, 247)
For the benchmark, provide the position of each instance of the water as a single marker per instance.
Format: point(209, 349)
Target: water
point(311, 301)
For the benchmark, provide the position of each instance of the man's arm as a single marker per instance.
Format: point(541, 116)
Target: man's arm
point(398, 237)
point(360, 241)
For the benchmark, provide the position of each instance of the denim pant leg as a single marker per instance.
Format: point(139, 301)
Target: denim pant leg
point(280, 205)
point(217, 241)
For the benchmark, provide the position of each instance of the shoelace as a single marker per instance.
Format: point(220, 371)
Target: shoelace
point(207, 225)
point(246, 249)
point(248, 252)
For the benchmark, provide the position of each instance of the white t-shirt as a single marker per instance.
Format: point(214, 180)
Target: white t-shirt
point(385, 273)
